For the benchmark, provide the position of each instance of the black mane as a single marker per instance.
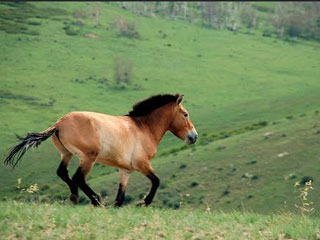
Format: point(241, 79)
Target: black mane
point(152, 103)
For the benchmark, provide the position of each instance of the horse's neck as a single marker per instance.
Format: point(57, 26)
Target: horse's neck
point(157, 123)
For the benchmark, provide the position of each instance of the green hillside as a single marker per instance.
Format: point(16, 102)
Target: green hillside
point(237, 88)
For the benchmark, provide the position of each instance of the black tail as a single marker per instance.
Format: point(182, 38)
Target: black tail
point(31, 140)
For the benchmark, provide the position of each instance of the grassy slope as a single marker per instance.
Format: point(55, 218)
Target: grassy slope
point(239, 79)
point(39, 221)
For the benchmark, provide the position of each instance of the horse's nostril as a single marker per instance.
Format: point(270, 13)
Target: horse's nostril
point(192, 139)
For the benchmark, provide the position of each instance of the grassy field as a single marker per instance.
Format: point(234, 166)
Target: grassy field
point(20, 220)
point(237, 88)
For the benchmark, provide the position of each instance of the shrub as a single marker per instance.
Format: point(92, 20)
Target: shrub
point(45, 187)
point(125, 28)
point(305, 179)
point(253, 162)
point(183, 166)
point(163, 186)
point(297, 20)
point(194, 184)
point(248, 16)
point(165, 201)
point(176, 206)
point(72, 31)
point(263, 123)
point(122, 70)
point(254, 177)
point(34, 23)
point(267, 33)
point(83, 200)
point(79, 14)
point(225, 192)
point(219, 148)
point(128, 199)
point(104, 193)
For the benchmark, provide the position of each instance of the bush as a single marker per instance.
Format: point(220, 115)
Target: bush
point(248, 16)
point(183, 166)
point(104, 193)
point(297, 20)
point(125, 28)
point(225, 192)
point(122, 70)
point(305, 179)
point(79, 14)
point(34, 23)
point(194, 184)
point(72, 31)
point(267, 33)
point(263, 123)
point(253, 162)
point(163, 186)
point(128, 199)
point(254, 177)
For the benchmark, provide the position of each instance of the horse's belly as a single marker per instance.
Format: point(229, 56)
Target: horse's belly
point(115, 161)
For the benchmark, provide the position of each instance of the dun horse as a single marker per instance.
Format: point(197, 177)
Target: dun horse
point(127, 142)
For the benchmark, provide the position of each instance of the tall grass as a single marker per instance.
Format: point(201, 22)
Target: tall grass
point(19, 220)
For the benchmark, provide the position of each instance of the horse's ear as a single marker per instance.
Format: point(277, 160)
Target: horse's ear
point(179, 99)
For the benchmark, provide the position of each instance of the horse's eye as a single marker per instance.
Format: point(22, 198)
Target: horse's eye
point(185, 115)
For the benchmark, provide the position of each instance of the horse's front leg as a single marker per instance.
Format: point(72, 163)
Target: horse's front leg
point(123, 183)
point(155, 181)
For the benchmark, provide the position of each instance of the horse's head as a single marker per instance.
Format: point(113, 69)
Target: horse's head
point(181, 125)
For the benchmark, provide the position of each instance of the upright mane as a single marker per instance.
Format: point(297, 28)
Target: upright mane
point(152, 103)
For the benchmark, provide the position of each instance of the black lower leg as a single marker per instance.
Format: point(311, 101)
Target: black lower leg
point(155, 184)
point(62, 172)
point(120, 196)
point(79, 179)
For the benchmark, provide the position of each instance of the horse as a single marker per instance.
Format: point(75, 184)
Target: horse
point(127, 142)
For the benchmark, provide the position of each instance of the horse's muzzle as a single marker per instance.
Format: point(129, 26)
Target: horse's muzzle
point(192, 136)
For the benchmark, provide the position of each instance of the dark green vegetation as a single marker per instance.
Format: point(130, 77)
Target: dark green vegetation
point(253, 99)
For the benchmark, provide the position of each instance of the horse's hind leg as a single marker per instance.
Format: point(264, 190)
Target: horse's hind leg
point(79, 179)
point(123, 183)
point(62, 170)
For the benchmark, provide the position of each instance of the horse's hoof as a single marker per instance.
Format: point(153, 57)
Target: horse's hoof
point(96, 201)
point(96, 204)
point(74, 198)
point(116, 205)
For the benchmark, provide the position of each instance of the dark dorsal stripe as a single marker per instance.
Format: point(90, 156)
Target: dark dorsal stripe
point(150, 104)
